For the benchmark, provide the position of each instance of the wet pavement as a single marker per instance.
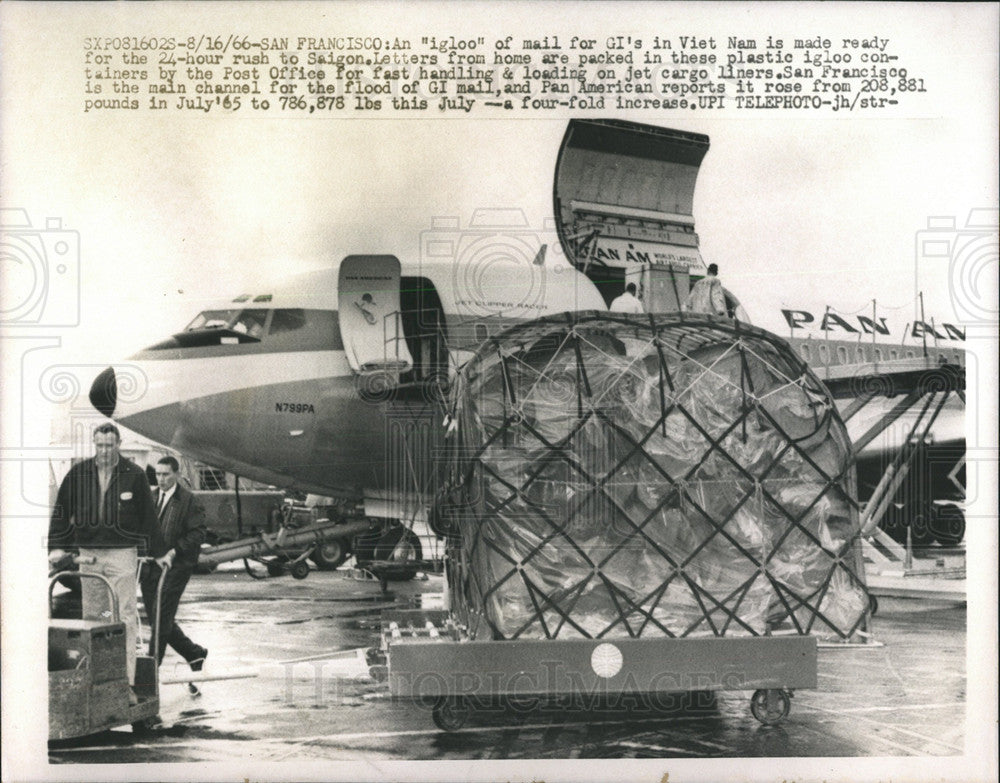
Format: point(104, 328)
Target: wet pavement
point(904, 696)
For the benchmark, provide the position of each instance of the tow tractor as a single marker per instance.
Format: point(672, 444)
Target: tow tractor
point(88, 676)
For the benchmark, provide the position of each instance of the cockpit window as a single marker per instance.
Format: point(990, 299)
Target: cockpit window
point(287, 321)
point(295, 328)
point(251, 323)
point(284, 329)
point(212, 319)
point(220, 327)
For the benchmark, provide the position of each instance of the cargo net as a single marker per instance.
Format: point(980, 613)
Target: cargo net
point(641, 476)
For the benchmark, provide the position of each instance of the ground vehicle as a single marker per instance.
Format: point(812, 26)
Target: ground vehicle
point(88, 681)
point(386, 548)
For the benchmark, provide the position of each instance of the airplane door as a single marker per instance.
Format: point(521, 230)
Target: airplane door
point(370, 323)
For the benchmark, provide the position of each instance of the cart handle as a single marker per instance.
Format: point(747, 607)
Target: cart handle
point(159, 599)
point(80, 575)
point(68, 558)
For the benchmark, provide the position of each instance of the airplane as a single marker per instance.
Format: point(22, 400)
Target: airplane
point(332, 382)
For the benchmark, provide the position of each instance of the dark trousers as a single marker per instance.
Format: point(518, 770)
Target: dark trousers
point(173, 588)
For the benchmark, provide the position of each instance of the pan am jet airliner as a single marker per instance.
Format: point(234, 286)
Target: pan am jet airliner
point(332, 382)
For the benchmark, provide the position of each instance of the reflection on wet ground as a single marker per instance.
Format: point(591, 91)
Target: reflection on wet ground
point(903, 697)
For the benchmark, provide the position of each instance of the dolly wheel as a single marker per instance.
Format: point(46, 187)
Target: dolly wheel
point(299, 569)
point(451, 713)
point(770, 706)
point(378, 668)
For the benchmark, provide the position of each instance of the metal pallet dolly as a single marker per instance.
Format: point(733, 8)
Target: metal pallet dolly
point(429, 660)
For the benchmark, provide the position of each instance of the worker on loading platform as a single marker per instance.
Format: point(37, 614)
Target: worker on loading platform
point(105, 509)
point(182, 524)
point(627, 302)
point(706, 295)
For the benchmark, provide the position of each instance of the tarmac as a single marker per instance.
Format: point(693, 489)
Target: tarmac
point(300, 693)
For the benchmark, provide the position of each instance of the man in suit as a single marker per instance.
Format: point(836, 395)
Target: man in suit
point(182, 524)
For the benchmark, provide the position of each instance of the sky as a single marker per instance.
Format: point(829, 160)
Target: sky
point(176, 211)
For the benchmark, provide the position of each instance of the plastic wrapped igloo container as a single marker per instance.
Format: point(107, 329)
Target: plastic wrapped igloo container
point(635, 476)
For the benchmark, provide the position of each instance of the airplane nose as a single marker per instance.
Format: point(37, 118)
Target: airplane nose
point(104, 392)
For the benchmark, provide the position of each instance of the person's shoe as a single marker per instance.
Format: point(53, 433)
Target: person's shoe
point(193, 689)
point(198, 663)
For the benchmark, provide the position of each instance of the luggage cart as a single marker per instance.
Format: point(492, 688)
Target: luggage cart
point(88, 676)
point(430, 660)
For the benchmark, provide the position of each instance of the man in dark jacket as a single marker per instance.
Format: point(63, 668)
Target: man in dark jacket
point(105, 509)
point(182, 523)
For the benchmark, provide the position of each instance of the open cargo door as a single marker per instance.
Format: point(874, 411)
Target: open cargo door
point(623, 205)
point(370, 322)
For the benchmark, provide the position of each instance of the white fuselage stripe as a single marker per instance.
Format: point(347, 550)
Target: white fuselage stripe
point(144, 385)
